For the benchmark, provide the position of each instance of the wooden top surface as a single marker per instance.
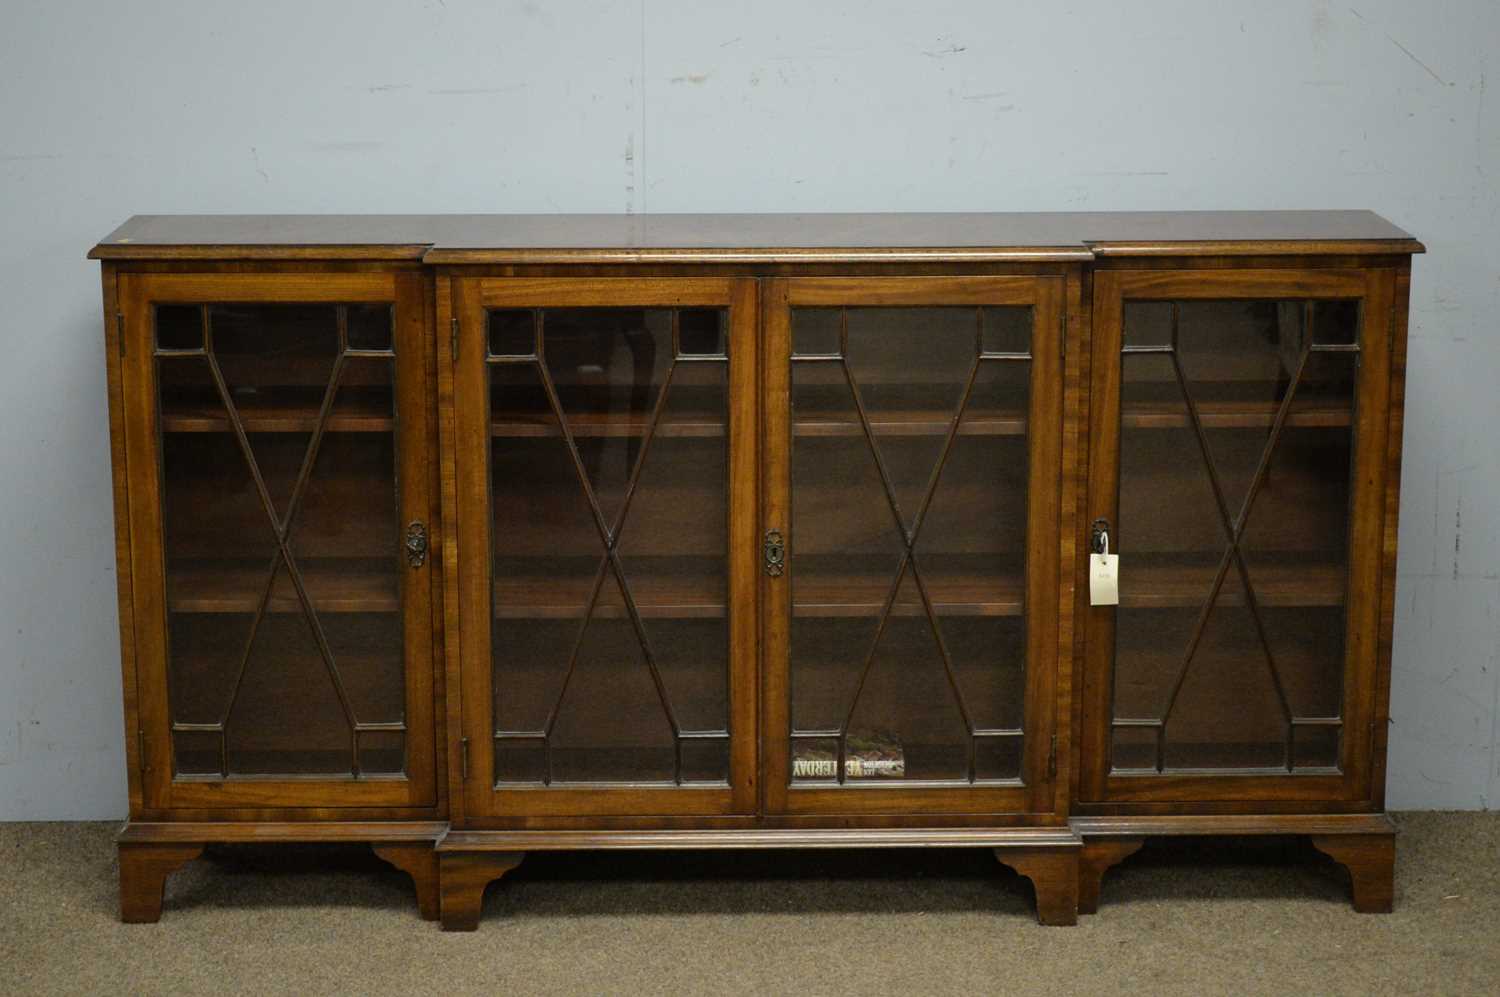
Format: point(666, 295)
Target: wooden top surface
point(752, 238)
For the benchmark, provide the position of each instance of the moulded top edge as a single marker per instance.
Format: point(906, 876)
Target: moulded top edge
point(752, 238)
point(757, 254)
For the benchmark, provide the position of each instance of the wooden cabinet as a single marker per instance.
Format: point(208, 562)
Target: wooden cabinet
point(475, 536)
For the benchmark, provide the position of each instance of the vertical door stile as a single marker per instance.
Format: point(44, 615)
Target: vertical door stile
point(744, 506)
point(471, 404)
point(776, 590)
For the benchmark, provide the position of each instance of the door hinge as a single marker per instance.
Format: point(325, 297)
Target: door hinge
point(453, 340)
point(1052, 759)
point(463, 757)
point(120, 332)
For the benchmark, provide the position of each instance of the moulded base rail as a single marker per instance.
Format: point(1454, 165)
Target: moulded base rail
point(452, 869)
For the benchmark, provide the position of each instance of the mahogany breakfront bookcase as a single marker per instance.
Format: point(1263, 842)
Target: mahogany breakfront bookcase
point(474, 536)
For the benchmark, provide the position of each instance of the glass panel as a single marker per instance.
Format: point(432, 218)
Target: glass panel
point(512, 333)
point(281, 530)
point(1238, 416)
point(371, 327)
point(1316, 746)
point(997, 757)
point(705, 759)
point(609, 490)
point(196, 753)
point(1133, 748)
point(520, 759)
point(909, 476)
point(179, 327)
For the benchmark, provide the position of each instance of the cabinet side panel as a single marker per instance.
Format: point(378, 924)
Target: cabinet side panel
point(119, 480)
point(143, 502)
point(1367, 532)
point(1381, 711)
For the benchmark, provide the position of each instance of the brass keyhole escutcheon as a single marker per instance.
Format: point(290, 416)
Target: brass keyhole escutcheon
point(416, 544)
point(775, 553)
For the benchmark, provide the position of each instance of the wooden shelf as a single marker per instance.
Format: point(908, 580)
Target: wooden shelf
point(533, 423)
point(708, 424)
point(689, 588)
point(373, 416)
point(920, 422)
point(695, 588)
point(352, 585)
point(913, 422)
point(1153, 581)
point(365, 410)
point(288, 410)
point(955, 590)
point(1233, 415)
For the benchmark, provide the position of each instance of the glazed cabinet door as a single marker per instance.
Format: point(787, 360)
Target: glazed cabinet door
point(606, 484)
point(910, 557)
point(277, 431)
point(1238, 461)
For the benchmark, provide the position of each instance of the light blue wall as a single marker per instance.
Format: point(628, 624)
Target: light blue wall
point(109, 109)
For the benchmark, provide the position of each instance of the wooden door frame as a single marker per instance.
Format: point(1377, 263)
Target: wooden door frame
point(405, 291)
point(1375, 289)
point(471, 296)
point(1033, 793)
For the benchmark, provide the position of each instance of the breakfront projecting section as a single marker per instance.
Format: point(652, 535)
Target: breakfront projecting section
point(1240, 474)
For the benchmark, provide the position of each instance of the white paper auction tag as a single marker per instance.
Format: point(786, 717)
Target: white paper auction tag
point(1104, 576)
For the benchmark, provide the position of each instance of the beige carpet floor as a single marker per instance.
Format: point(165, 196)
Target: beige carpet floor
point(1245, 916)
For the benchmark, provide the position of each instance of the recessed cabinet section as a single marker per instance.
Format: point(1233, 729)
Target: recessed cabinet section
point(1239, 465)
point(913, 432)
point(606, 467)
point(279, 511)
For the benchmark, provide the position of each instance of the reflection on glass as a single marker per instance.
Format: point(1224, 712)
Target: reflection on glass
point(609, 472)
point(1237, 416)
point(279, 513)
point(909, 490)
